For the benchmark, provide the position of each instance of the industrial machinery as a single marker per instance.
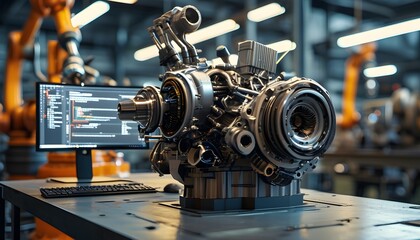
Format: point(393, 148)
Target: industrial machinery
point(236, 136)
point(349, 134)
point(350, 117)
point(385, 122)
point(392, 122)
point(18, 118)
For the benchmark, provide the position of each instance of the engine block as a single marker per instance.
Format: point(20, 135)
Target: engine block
point(237, 136)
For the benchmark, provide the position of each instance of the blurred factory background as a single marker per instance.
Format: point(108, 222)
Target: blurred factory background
point(375, 152)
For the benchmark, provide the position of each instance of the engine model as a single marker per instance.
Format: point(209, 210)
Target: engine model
point(237, 136)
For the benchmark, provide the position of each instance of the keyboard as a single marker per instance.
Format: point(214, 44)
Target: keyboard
point(96, 190)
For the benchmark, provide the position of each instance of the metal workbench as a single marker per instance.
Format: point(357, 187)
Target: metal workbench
point(157, 216)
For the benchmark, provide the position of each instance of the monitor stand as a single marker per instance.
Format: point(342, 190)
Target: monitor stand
point(84, 171)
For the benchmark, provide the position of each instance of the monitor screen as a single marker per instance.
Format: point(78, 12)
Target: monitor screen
point(77, 117)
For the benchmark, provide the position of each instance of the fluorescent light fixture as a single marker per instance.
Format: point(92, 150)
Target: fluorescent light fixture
point(89, 14)
point(146, 53)
point(124, 1)
point(283, 46)
point(385, 70)
point(233, 59)
point(201, 35)
point(265, 12)
point(379, 33)
point(212, 31)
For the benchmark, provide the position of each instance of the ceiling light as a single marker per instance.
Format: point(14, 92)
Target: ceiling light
point(201, 35)
point(265, 12)
point(283, 46)
point(233, 60)
point(385, 70)
point(146, 53)
point(379, 33)
point(212, 31)
point(89, 14)
point(124, 1)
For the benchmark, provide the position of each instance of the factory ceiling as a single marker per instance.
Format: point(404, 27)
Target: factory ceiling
point(113, 38)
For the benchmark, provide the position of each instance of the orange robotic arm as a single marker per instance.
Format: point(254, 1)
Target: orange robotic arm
point(20, 45)
point(56, 58)
point(350, 116)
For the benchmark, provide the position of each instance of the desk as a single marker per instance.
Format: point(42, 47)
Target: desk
point(156, 216)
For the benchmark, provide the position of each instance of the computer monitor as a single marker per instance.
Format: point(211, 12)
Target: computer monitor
point(82, 118)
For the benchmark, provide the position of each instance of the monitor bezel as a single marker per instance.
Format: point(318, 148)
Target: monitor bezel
point(72, 148)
